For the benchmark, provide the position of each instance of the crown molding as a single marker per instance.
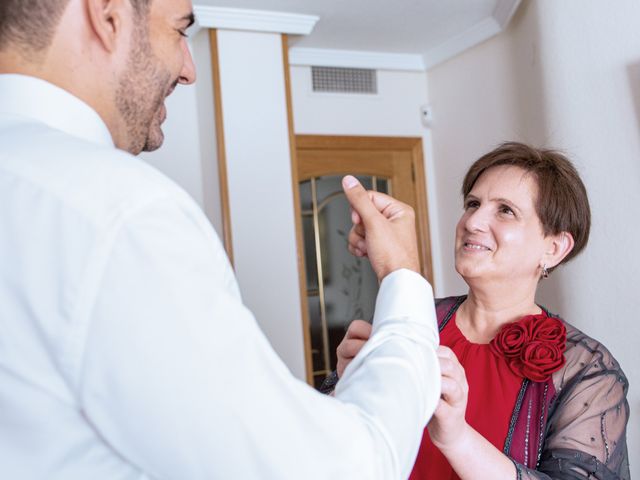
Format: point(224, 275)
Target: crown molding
point(504, 12)
point(477, 34)
point(355, 59)
point(485, 29)
point(252, 20)
point(296, 24)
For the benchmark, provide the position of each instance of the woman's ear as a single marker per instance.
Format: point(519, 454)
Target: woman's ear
point(106, 20)
point(558, 248)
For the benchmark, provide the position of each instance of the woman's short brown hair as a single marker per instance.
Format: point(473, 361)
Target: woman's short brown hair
point(562, 204)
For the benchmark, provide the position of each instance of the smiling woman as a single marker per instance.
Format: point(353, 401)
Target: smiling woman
point(561, 201)
point(524, 393)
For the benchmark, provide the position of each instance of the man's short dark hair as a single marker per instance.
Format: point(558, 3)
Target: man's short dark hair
point(31, 24)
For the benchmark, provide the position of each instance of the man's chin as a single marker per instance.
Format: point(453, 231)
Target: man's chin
point(154, 141)
point(156, 136)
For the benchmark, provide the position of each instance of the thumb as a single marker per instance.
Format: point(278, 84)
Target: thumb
point(359, 199)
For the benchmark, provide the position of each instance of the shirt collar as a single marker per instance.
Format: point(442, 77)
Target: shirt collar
point(44, 102)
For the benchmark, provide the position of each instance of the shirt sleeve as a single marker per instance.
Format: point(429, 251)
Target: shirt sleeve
point(179, 380)
point(586, 433)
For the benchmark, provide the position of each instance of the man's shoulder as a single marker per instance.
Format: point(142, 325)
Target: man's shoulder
point(94, 180)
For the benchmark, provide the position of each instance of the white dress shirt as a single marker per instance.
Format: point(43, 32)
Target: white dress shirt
point(126, 351)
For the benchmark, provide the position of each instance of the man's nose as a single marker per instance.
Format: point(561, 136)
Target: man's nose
point(188, 72)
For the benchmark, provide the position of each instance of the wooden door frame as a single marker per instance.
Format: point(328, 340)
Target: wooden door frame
point(412, 145)
point(302, 277)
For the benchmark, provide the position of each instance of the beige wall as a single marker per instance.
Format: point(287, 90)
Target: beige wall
point(566, 75)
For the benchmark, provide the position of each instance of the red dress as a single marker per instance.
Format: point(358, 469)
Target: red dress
point(493, 390)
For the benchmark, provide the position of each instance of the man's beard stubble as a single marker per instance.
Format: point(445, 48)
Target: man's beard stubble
point(141, 92)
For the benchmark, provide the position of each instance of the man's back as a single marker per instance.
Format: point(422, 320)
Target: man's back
point(65, 199)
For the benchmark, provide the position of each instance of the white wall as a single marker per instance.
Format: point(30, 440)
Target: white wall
point(258, 174)
point(260, 187)
point(394, 111)
point(567, 75)
point(188, 154)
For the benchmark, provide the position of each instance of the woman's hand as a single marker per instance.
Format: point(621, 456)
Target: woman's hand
point(357, 335)
point(470, 454)
point(448, 424)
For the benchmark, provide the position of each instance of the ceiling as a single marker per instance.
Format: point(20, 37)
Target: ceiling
point(401, 26)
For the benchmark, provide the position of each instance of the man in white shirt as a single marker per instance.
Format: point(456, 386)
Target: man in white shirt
point(125, 350)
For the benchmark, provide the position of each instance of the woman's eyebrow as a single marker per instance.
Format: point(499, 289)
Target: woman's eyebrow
point(507, 201)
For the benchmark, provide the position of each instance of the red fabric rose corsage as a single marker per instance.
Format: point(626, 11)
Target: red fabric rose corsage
point(533, 346)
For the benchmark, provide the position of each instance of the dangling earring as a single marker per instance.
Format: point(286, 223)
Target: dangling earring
point(545, 272)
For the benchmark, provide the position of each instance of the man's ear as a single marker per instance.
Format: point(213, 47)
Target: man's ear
point(106, 20)
point(559, 247)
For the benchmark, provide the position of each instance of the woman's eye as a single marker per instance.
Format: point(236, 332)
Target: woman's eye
point(471, 204)
point(506, 210)
point(182, 33)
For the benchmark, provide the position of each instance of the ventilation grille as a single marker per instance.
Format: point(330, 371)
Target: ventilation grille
point(344, 80)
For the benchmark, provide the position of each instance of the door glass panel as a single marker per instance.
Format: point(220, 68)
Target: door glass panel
point(340, 287)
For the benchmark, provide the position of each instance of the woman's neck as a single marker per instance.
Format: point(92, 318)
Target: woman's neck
point(482, 314)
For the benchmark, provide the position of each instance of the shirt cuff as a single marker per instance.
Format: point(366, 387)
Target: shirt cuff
point(404, 294)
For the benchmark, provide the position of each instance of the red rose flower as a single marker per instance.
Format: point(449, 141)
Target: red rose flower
point(533, 346)
point(538, 360)
point(510, 340)
point(551, 330)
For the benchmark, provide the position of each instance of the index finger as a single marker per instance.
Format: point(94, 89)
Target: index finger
point(446, 353)
point(359, 329)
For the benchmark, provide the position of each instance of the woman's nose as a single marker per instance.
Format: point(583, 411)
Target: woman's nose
point(477, 220)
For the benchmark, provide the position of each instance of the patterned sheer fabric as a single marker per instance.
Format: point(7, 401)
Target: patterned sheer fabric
point(585, 433)
point(574, 425)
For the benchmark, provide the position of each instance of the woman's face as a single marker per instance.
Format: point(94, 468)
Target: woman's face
point(499, 236)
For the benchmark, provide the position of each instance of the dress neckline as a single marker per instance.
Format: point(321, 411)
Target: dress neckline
point(454, 316)
point(462, 336)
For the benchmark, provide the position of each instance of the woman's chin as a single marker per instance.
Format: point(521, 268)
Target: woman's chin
point(468, 267)
point(472, 273)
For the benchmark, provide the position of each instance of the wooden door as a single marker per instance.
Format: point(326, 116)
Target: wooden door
point(338, 287)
